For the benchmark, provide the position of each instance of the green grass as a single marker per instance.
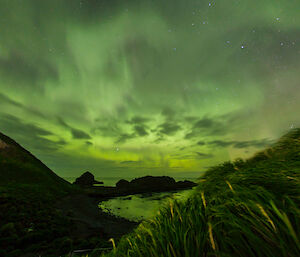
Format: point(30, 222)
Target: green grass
point(242, 208)
point(29, 223)
point(20, 167)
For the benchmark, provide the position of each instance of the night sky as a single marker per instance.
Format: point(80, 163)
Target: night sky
point(160, 87)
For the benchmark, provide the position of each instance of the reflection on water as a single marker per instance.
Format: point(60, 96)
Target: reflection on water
point(141, 206)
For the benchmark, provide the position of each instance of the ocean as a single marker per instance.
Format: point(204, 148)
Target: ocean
point(140, 206)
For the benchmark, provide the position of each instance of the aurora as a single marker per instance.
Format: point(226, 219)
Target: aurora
point(128, 88)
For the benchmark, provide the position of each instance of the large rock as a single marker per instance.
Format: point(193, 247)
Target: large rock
point(86, 179)
point(152, 184)
point(123, 184)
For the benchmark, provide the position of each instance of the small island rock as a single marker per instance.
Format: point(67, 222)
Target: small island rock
point(86, 179)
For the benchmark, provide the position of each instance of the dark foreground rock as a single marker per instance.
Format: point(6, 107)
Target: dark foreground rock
point(87, 179)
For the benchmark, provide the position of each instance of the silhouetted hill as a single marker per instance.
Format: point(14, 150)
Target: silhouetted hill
point(28, 192)
point(17, 165)
point(43, 215)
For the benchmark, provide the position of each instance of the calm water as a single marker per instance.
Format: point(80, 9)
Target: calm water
point(137, 207)
point(141, 206)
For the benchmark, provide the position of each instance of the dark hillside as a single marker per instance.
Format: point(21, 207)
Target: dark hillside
point(28, 192)
point(18, 165)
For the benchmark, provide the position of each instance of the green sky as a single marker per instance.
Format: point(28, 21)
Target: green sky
point(128, 88)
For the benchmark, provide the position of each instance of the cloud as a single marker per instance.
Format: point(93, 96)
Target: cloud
point(242, 144)
point(253, 143)
point(204, 155)
point(109, 129)
point(8, 100)
point(29, 135)
point(131, 162)
point(79, 134)
point(138, 120)
point(140, 130)
point(184, 156)
point(16, 125)
point(220, 125)
point(124, 137)
point(206, 126)
point(76, 133)
point(192, 156)
point(205, 123)
point(157, 72)
point(168, 128)
point(159, 138)
point(221, 143)
point(23, 69)
point(168, 113)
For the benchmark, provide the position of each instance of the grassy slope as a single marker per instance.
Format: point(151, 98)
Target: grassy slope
point(244, 208)
point(18, 166)
point(28, 190)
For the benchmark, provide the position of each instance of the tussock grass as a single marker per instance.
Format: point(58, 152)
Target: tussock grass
point(242, 208)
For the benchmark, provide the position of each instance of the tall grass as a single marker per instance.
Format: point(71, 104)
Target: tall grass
point(245, 208)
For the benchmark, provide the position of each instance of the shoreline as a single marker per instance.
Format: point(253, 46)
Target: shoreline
point(89, 220)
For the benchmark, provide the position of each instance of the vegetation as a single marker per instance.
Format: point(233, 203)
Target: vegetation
point(18, 166)
point(29, 222)
point(241, 208)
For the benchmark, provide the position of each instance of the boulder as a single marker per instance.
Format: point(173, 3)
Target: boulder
point(122, 184)
point(86, 179)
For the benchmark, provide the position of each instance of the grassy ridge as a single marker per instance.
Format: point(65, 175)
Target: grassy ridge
point(240, 208)
point(29, 223)
point(18, 166)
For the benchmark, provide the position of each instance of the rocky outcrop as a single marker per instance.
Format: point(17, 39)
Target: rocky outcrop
point(147, 184)
point(152, 184)
point(122, 184)
point(87, 179)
